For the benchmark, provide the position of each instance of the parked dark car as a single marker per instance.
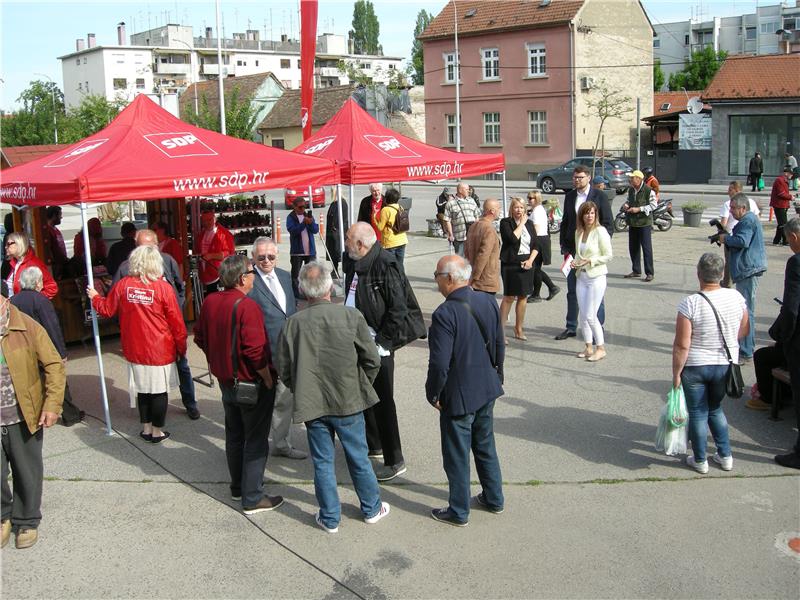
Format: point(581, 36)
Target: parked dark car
point(615, 170)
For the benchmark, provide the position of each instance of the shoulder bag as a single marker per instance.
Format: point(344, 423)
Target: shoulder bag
point(492, 357)
point(463, 216)
point(734, 383)
point(246, 392)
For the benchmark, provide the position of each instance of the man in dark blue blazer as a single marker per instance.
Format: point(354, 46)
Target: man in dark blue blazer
point(580, 193)
point(465, 372)
point(272, 291)
point(302, 228)
point(786, 330)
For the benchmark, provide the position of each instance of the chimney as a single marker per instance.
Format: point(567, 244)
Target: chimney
point(253, 35)
point(121, 38)
point(208, 33)
point(284, 37)
point(90, 40)
point(79, 45)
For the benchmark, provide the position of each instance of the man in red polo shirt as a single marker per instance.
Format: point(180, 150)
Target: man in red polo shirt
point(213, 244)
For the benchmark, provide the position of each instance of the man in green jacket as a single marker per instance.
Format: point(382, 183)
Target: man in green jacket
point(28, 402)
point(326, 356)
point(639, 207)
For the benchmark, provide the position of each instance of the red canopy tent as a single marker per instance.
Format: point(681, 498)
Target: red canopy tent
point(146, 153)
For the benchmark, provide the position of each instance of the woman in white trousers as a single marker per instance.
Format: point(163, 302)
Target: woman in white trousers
point(593, 251)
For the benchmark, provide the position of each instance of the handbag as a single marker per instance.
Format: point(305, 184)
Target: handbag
point(492, 357)
point(245, 392)
point(734, 383)
point(463, 216)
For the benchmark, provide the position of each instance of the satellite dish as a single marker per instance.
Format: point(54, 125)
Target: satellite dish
point(694, 105)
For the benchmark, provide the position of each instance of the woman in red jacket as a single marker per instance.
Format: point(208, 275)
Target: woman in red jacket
point(779, 200)
point(20, 257)
point(152, 333)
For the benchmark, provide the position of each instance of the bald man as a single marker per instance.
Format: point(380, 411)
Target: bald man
point(482, 250)
point(465, 330)
point(460, 213)
point(172, 274)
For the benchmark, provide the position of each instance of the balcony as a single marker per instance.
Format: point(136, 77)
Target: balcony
point(213, 69)
point(328, 72)
point(173, 68)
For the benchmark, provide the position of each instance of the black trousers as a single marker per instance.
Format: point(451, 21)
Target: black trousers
point(69, 412)
point(640, 239)
point(22, 452)
point(780, 217)
point(754, 177)
point(297, 262)
point(764, 360)
point(540, 276)
point(152, 408)
point(383, 432)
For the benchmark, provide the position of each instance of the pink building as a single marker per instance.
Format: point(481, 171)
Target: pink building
point(522, 90)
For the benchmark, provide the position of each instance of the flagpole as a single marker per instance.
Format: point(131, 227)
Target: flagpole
point(458, 80)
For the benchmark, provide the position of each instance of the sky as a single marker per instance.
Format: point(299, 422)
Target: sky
point(35, 33)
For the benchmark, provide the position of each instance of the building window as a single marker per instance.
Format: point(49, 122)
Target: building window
point(750, 33)
point(391, 67)
point(256, 63)
point(241, 63)
point(77, 61)
point(490, 60)
point(84, 60)
point(450, 67)
point(450, 121)
point(87, 86)
point(686, 40)
point(278, 143)
point(285, 64)
point(491, 128)
point(769, 28)
point(656, 43)
point(538, 126)
point(760, 131)
point(139, 84)
point(120, 83)
point(298, 63)
point(537, 65)
point(80, 86)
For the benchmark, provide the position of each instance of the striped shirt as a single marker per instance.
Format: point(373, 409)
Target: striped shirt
point(706, 347)
point(460, 212)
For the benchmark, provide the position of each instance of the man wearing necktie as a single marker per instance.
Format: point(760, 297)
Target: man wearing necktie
point(272, 291)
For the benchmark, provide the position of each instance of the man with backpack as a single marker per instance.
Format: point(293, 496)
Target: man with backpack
point(393, 223)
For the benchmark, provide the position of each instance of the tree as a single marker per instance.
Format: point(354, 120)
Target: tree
point(417, 58)
point(94, 113)
point(605, 102)
point(658, 76)
point(366, 29)
point(240, 115)
point(698, 71)
point(34, 123)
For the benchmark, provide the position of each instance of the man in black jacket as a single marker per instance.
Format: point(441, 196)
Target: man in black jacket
point(377, 287)
point(786, 331)
point(581, 192)
point(371, 206)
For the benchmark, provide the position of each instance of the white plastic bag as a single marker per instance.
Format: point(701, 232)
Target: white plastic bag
point(670, 440)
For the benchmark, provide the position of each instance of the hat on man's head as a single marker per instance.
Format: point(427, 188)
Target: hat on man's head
point(600, 179)
point(636, 173)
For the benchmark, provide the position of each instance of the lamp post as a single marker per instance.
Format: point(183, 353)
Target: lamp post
point(53, 94)
point(458, 80)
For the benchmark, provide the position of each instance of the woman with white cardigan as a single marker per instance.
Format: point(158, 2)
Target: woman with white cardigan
point(593, 251)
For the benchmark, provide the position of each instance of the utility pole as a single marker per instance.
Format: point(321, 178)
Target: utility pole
point(458, 80)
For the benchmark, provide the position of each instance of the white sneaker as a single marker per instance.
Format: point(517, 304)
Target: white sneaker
point(385, 508)
point(322, 525)
point(701, 467)
point(726, 462)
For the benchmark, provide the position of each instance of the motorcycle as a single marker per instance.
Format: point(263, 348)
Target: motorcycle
point(662, 217)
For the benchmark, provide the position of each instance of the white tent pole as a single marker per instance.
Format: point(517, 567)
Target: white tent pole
point(341, 221)
point(505, 194)
point(352, 202)
point(87, 253)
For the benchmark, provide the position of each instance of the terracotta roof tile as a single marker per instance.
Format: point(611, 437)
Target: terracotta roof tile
point(676, 100)
point(247, 84)
point(327, 102)
point(499, 15)
point(756, 78)
point(19, 155)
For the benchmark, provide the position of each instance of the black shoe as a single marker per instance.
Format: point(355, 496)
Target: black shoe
point(633, 275)
point(789, 460)
point(146, 436)
point(158, 440)
point(480, 499)
point(444, 515)
point(565, 334)
point(554, 291)
point(193, 413)
point(532, 299)
point(648, 278)
point(390, 472)
point(68, 423)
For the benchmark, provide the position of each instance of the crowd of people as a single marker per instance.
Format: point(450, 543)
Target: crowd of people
point(331, 366)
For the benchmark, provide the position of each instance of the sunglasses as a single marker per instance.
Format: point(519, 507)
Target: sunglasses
point(250, 272)
point(265, 257)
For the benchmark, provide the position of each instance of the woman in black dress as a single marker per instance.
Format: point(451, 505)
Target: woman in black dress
point(517, 254)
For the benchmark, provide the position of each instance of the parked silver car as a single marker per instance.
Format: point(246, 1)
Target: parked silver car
point(615, 170)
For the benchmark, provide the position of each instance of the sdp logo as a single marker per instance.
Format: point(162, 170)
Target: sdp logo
point(179, 144)
point(320, 146)
point(79, 151)
point(391, 146)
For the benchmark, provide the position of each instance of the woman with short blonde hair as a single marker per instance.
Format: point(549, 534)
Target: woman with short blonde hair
point(19, 257)
point(145, 263)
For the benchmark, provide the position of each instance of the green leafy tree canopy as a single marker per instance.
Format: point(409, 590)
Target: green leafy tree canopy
point(698, 71)
point(366, 29)
point(94, 113)
point(240, 115)
point(658, 76)
point(42, 113)
point(417, 58)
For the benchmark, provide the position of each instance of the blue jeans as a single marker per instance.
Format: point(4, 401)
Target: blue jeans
point(460, 434)
point(572, 304)
point(186, 385)
point(704, 388)
point(352, 435)
point(747, 287)
point(399, 253)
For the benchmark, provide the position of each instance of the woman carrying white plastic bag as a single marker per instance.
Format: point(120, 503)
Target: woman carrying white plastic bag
point(699, 362)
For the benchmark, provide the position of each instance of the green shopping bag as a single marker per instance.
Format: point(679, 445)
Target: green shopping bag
point(760, 183)
point(677, 414)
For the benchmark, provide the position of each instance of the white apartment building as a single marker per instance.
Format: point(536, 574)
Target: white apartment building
point(753, 33)
point(168, 59)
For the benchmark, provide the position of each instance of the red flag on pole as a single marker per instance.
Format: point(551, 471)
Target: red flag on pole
point(308, 50)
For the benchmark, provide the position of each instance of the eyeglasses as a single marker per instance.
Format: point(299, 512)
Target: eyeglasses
point(580, 176)
point(437, 273)
point(250, 272)
point(266, 257)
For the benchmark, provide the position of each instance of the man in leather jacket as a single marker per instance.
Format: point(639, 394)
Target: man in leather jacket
point(377, 287)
